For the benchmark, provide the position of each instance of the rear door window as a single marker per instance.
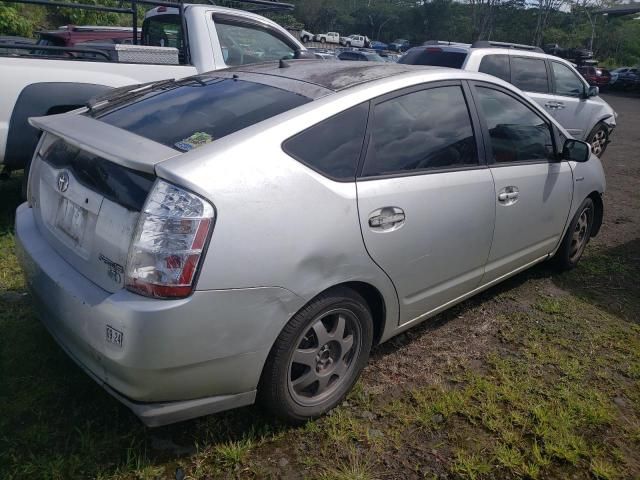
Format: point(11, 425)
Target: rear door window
point(496, 65)
point(434, 56)
point(425, 130)
point(196, 111)
point(529, 74)
point(333, 146)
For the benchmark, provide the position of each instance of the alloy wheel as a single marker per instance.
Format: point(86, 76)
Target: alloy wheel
point(324, 356)
point(580, 235)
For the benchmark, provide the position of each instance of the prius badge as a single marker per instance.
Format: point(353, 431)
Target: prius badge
point(63, 181)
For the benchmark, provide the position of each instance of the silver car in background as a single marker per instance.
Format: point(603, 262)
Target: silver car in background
point(551, 81)
point(252, 233)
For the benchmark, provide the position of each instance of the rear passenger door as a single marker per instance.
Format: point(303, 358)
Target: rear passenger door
point(425, 196)
point(530, 75)
point(533, 190)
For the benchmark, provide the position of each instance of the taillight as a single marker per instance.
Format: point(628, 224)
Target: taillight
point(168, 243)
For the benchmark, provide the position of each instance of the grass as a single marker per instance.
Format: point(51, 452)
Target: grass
point(555, 394)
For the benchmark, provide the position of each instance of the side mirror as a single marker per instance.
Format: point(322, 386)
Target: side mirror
point(593, 92)
point(576, 151)
point(298, 54)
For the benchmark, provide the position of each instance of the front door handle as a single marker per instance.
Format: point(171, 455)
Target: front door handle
point(386, 219)
point(503, 197)
point(508, 195)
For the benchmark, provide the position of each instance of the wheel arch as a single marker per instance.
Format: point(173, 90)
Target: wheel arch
point(372, 296)
point(375, 302)
point(40, 99)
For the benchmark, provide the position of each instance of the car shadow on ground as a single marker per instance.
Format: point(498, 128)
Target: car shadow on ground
point(608, 278)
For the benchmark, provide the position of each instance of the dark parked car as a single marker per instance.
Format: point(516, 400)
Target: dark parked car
point(400, 45)
point(360, 56)
point(452, 56)
point(596, 76)
point(577, 55)
point(376, 45)
point(628, 80)
point(7, 41)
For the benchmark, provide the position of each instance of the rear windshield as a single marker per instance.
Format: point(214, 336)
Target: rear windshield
point(433, 56)
point(194, 112)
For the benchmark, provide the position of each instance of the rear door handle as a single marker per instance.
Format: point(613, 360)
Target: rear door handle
point(552, 105)
point(559, 105)
point(386, 218)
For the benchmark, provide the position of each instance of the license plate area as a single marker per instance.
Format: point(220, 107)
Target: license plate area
point(71, 220)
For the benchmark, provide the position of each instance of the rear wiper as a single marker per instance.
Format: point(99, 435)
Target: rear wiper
point(125, 93)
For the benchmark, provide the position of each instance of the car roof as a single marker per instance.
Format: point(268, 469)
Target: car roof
point(329, 76)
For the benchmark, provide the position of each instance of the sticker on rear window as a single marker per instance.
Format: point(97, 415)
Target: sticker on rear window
point(196, 140)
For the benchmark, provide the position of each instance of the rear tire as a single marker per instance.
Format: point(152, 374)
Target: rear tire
point(322, 40)
point(318, 356)
point(599, 139)
point(576, 237)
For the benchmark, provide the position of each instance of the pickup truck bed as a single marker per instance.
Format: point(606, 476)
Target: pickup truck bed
point(39, 85)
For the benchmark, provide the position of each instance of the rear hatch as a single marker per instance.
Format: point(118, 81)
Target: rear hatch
point(87, 198)
point(93, 172)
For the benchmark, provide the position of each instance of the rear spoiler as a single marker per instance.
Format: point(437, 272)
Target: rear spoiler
point(111, 143)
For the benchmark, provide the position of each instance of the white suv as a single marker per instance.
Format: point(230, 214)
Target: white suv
point(549, 80)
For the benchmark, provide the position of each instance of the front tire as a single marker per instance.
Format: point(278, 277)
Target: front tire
point(576, 237)
point(318, 356)
point(599, 139)
point(322, 40)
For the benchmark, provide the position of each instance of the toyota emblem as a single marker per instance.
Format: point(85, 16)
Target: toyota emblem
point(63, 181)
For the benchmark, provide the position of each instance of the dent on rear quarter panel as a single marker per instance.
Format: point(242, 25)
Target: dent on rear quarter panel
point(278, 223)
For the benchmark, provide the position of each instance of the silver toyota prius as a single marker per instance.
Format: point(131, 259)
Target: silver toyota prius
point(250, 234)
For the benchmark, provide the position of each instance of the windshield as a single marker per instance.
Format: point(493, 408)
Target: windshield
point(190, 113)
point(433, 56)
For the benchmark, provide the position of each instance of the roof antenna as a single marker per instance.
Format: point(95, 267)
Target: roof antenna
point(283, 64)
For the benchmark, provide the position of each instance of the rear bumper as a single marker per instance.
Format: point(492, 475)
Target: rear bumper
point(179, 358)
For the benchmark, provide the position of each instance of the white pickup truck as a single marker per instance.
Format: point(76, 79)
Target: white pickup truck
point(355, 41)
point(38, 83)
point(329, 37)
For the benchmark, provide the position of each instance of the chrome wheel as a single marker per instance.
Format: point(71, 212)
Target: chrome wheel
point(580, 235)
point(324, 356)
point(599, 141)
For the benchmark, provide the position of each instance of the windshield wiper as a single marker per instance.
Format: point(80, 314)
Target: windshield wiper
point(125, 93)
